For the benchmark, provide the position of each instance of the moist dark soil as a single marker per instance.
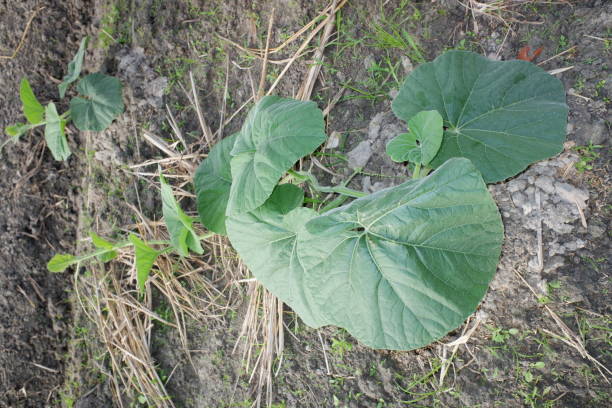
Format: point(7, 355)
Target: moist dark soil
point(516, 355)
point(37, 215)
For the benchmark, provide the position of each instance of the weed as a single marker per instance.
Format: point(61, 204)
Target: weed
point(587, 155)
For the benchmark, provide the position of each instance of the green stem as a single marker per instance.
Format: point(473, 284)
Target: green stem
point(417, 171)
point(339, 189)
point(117, 245)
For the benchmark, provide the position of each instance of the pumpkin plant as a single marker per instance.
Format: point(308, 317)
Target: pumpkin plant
point(98, 103)
point(401, 267)
point(398, 268)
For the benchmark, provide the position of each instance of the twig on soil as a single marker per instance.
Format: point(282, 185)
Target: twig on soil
point(264, 67)
point(208, 135)
point(297, 54)
point(560, 70)
point(164, 147)
point(539, 230)
point(175, 127)
point(324, 353)
point(557, 56)
point(306, 91)
point(225, 96)
point(463, 339)
point(569, 337)
point(23, 36)
point(332, 104)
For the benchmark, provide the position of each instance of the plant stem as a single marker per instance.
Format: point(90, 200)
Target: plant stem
point(312, 180)
point(417, 171)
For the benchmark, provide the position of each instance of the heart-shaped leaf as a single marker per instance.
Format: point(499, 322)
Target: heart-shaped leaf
point(54, 133)
point(74, 68)
point(426, 129)
point(182, 235)
point(402, 267)
point(502, 115)
point(145, 257)
point(100, 102)
point(212, 181)
point(276, 134)
point(32, 109)
point(266, 241)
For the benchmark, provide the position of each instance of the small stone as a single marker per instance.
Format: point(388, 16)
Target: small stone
point(374, 126)
point(572, 195)
point(516, 185)
point(595, 133)
point(407, 65)
point(596, 231)
point(334, 140)
point(546, 183)
point(359, 156)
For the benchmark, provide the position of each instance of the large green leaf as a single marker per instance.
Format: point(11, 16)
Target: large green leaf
point(212, 181)
point(100, 104)
point(426, 129)
point(266, 241)
point(402, 267)
point(54, 133)
point(32, 109)
point(276, 134)
point(502, 115)
point(74, 68)
point(182, 235)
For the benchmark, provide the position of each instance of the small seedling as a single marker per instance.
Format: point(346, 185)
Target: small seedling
point(182, 240)
point(588, 155)
point(98, 103)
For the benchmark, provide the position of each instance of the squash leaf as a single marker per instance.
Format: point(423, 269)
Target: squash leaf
point(100, 102)
point(145, 257)
point(60, 262)
point(54, 134)
point(212, 181)
point(266, 240)
point(74, 68)
point(276, 134)
point(32, 109)
point(502, 115)
point(182, 235)
point(101, 243)
point(422, 143)
point(402, 267)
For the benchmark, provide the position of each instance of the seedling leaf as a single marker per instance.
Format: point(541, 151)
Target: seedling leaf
point(100, 104)
point(266, 241)
point(60, 262)
point(502, 115)
point(74, 68)
point(276, 134)
point(426, 129)
point(32, 109)
point(101, 243)
point(54, 133)
point(402, 267)
point(145, 257)
point(182, 235)
point(17, 130)
point(212, 181)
